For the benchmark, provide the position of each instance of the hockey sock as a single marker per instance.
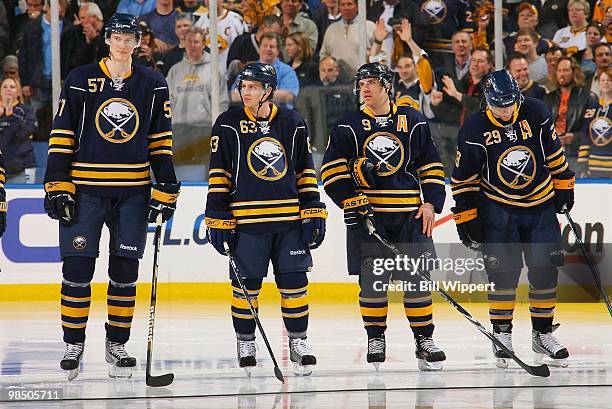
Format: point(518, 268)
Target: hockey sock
point(244, 323)
point(501, 306)
point(542, 304)
point(419, 312)
point(120, 302)
point(374, 314)
point(294, 302)
point(75, 300)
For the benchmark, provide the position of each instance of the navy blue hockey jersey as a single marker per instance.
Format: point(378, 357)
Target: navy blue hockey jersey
point(107, 135)
point(438, 20)
point(261, 171)
point(596, 138)
point(512, 164)
point(406, 157)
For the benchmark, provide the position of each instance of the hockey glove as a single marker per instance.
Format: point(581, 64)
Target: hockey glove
point(3, 208)
point(60, 201)
point(564, 191)
point(358, 213)
point(163, 200)
point(363, 172)
point(313, 225)
point(469, 227)
point(221, 228)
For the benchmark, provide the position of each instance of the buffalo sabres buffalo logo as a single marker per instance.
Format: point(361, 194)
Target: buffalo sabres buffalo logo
point(117, 120)
point(386, 150)
point(599, 131)
point(267, 160)
point(516, 167)
point(79, 242)
point(435, 10)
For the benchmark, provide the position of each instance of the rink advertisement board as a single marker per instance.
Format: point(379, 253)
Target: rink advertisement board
point(30, 254)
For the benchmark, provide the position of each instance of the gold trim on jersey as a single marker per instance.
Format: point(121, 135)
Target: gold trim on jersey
point(261, 211)
point(369, 112)
point(117, 120)
point(496, 122)
point(110, 174)
point(273, 112)
point(267, 159)
point(540, 194)
point(518, 165)
point(106, 72)
point(387, 201)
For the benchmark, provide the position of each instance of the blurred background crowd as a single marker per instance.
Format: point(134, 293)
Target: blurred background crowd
point(439, 51)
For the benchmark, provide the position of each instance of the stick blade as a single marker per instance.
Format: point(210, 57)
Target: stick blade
point(161, 380)
point(279, 374)
point(541, 370)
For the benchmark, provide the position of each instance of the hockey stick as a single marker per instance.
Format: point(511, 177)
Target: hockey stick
point(277, 371)
point(589, 261)
point(541, 370)
point(166, 379)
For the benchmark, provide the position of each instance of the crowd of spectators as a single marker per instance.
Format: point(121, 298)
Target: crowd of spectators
point(439, 50)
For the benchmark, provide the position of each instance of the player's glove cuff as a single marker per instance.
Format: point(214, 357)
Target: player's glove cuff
point(163, 201)
point(316, 209)
point(363, 172)
point(564, 191)
point(220, 229)
point(217, 219)
point(469, 227)
point(60, 186)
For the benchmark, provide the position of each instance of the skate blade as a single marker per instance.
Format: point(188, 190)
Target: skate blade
point(376, 366)
point(430, 366)
point(117, 372)
point(248, 371)
point(502, 363)
point(73, 373)
point(541, 358)
point(302, 370)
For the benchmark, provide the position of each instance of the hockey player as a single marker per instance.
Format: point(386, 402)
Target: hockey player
point(113, 127)
point(263, 201)
point(3, 205)
point(510, 177)
point(396, 143)
point(596, 147)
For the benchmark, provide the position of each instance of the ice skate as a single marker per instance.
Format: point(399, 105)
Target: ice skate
point(71, 362)
point(121, 364)
point(548, 349)
point(504, 335)
point(376, 351)
point(246, 355)
point(429, 356)
point(301, 356)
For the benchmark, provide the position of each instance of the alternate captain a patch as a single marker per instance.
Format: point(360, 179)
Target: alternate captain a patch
point(117, 120)
point(267, 159)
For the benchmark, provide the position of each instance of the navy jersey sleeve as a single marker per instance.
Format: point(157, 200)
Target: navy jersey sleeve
point(585, 139)
point(2, 171)
point(64, 131)
point(221, 165)
point(306, 177)
point(160, 134)
point(465, 180)
point(429, 167)
point(553, 151)
point(337, 181)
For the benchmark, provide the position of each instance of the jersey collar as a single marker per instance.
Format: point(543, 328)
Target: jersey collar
point(496, 122)
point(369, 112)
point(273, 112)
point(106, 72)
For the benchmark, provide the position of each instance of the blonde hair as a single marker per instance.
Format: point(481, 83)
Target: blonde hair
point(302, 41)
point(585, 4)
point(17, 86)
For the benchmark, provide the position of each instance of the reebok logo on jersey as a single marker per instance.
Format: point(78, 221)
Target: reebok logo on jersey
point(130, 248)
point(297, 252)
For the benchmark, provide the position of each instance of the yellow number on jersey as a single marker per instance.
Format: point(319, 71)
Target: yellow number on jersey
point(367, 126)
point(168, 109)
point(589, 113)
point(457, 158)
point(95, 84)
point(61, 105)
point(248, 126)
point(214, 143)
point(492, 137)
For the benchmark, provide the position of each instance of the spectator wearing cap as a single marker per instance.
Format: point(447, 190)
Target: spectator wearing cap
point(193, 8)
point(526, 19)
point(294, 22)
point(328, 13)
point(518, 66)
point(595, 33)
point(182, 24)
point(161, 23)
point(297, 48)
point(526, 41)
point(573, 37)
point(568, 102)
point(552, 15)
point(602, 58)
point(136, 7)
point(10, 67)
point(83, 43)
point(341, 39)
point(288, 85)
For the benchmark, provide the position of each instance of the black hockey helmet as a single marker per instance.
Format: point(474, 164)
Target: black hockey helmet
point(374, 70)
point(501, 89)
point(260, 72)
point(123, 23)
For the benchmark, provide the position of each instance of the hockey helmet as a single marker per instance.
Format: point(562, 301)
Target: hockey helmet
point(374, 70)
point(501, 89)
point(123, 23)
point(260, 72)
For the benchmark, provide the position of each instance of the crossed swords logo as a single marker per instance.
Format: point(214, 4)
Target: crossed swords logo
point(269, 164)
point(117, 126)
point(600, 134)
point(384, 158)
point(520, 173)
